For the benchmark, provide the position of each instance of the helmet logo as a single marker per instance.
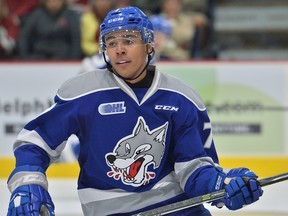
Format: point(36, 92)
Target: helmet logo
point(116, 19)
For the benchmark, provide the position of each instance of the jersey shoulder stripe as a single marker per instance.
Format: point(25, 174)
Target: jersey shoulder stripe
point(87, 83)
point(171, 83)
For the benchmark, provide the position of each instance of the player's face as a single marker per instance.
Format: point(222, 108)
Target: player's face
point(127, 53)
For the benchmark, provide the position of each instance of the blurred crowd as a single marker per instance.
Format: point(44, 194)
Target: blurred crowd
point(69, 29)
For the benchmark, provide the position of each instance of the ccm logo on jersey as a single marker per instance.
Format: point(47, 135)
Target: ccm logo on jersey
point(166, 107)
point(112, 108)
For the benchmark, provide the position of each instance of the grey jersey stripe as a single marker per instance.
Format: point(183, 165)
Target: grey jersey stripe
point(185, 169)
point(87, 83)
point(174, 84)
point(27, 137)
point(102, 80)
point(100, 204)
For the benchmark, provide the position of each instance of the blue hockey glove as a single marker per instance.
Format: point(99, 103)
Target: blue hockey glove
point(30, 200)
point(241, 188)
point(29, 197)
point(240, 193)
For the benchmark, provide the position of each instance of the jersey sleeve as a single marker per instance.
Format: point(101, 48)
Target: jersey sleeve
point(44, 138)
point(196, 159)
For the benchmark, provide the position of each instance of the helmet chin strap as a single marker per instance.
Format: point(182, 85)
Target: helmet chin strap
point(111, 69)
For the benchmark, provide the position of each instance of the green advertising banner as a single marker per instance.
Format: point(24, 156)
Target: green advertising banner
point(247, 104)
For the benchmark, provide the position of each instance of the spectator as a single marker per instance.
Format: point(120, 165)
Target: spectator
point(12, 15)
point(90, 22)
point(162, 35)
point(80, 6)
point(149, 7)
point(165, 46)
point(192, 6)
point(123, 3)
point(205, 47)
point(184, 26)
point(52, 31)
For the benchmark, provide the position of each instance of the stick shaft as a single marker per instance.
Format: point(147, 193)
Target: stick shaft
point(273, 179)
point(205, 198)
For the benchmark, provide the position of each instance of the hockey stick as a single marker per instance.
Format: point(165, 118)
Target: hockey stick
point(205, 198)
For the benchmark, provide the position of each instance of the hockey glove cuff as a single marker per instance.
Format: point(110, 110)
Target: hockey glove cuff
point(28, 186)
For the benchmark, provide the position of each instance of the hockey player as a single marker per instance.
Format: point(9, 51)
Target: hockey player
point(145, 137)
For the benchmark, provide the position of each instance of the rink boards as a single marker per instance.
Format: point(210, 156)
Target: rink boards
point(247, 102)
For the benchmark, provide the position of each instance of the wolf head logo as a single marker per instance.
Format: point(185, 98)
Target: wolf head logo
point(134, 153)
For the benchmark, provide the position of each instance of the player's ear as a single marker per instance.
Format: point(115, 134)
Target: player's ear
point(149, 48)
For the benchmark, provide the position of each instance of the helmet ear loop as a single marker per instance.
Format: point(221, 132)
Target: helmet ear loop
point(109, 66)
point(103, 51)
point(151, 53)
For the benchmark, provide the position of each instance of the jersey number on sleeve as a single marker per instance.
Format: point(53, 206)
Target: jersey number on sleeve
point(208, 142)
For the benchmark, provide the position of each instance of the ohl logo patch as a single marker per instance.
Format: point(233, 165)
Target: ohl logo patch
point(134, 153)
point(112, 108)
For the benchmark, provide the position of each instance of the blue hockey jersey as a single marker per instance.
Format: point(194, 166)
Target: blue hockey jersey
point(139, 148)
